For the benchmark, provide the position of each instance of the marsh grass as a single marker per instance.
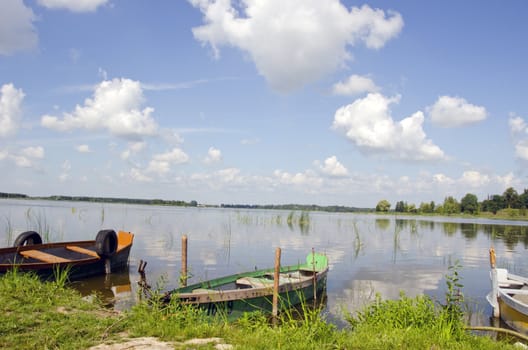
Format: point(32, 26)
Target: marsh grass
point(8, 230)
point(46, 315)
point(37, 221)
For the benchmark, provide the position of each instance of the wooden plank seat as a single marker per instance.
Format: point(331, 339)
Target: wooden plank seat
point(255, 282)
point(515, 291)
point(42, 256)
point(82, 250)
point(203, 290)
point(259, 282)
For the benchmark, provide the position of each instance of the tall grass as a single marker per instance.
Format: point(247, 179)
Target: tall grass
point(37, 315)
point(8, 230)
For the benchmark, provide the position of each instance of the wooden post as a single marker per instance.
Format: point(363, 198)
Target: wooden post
point(276, 276)
point(494, 284)
point(183, 277)
point(314, 278)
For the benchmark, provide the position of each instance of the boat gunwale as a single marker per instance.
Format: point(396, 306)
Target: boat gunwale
point(43, 265)
point(208, 295)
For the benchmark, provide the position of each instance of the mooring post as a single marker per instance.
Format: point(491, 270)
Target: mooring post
point(494, 284)
point(314, 277)
point(276, 276)
point(183, 277)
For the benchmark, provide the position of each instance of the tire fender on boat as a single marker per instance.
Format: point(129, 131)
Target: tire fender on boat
point(106, 243)
point(27, 238)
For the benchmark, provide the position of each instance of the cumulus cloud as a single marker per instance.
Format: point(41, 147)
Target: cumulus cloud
point(17, 32)
point(161, 163)
point(455, 111)
point(307, 178)
point(10, 109)
point(355, 85)
point(294, 42)
point(83, 149)
point(73, 5)
point(214, 155)
point(519, 130)
point(475, 179)
point(27, 157)
point(133, 148)
point(332, 167)
point(368, 124)
point(115, 106)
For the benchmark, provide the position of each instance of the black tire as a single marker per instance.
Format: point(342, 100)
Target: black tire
point(27, 238)
point(106, 243)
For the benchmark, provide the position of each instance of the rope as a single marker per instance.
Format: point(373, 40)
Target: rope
point(497, 329)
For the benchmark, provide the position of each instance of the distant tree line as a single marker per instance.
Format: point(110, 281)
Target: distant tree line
point(469, 204)
point(179, 203)
point(12, 195)
point(304, 207)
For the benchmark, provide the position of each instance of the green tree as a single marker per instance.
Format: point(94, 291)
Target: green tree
point(383, 206)
point(451, 206)
point(425, 208)
point(511, 198)
point(469, 204)
point(400, 207)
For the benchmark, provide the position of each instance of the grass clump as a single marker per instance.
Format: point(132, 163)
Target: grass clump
point(39, 315)
point(47, 315)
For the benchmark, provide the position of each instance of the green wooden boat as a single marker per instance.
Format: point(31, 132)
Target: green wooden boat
point(251, 291)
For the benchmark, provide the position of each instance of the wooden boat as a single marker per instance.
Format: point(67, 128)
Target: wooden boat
point(251, 291)
point(509, 297)
point(107, 253)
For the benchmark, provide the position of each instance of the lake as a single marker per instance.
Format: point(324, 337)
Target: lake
point(368, 253)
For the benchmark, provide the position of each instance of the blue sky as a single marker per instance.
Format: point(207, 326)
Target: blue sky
point(280, 101)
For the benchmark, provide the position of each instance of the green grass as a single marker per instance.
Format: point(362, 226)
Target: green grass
point(49, 315)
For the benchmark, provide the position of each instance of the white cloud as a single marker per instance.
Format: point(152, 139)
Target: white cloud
point(83, 149)
point(519, 129)
point(115, 106)
point(213, 156)
point(332, 167)
point(455, 111)
point(294, 42)
point(307, 178)
point(133, 148)
point(355, 85)
point(73, 5)
point(475, 179)
point(17, 32)
point(66, 166)
point(138, 176)
point(161, 163)
point(10, 109)
point(33, 152)
point(27, 157)
point(517, 124)
point(368, 124)
point(521, 149)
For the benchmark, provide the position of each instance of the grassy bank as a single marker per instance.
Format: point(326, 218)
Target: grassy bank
point(49, 315)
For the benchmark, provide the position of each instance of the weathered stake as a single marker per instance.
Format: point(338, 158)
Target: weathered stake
point(183, 277)
point(276, 276)
point(494, 284)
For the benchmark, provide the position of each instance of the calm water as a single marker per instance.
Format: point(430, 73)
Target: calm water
point(368, 254)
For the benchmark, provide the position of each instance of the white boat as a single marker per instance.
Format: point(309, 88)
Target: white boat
point(509, 297)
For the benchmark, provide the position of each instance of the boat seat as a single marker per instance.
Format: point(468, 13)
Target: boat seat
point(203, 290)
point(82, 250)
point(504, 281)
point(255, 282)
point(515, 291)
point(42, 256)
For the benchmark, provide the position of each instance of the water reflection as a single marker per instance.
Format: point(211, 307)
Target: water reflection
point(368, 253)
